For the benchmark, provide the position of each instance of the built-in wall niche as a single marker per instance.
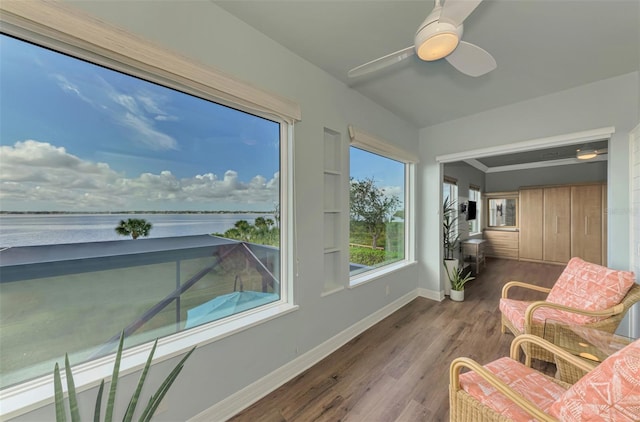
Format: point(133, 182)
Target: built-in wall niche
point(334, 246)
point(331, 232)
point(331, 194)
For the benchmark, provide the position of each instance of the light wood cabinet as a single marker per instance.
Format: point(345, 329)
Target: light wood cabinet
point(586, 222)
point(531, 223)
point(557, 224)
point(501, 243)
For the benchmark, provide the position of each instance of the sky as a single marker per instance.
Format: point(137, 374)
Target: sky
point(78, 137)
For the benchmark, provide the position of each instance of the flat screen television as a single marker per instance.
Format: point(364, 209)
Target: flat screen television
point(471, 210)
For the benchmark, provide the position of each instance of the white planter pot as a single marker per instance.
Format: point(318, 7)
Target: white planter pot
point(450, 266)
point(457, 295)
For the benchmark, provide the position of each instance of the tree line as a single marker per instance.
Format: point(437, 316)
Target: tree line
point(371, 213)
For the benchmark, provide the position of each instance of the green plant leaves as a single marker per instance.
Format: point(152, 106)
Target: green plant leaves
point(156, 399)
point(450, 236)
point(96, 412)
point(108, 417)
point(134, 399)
point(61, 414)
point(458, 278)
point(147, 413)
point(71, 387)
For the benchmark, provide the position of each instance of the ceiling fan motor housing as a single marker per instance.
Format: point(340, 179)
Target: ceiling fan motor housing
point(435, 39)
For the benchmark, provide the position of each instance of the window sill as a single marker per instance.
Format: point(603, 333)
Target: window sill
point(364, 278)
point(31, 395)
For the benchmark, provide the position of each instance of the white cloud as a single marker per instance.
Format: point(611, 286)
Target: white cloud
point(139, 112)
point(147, 134)
point(70, 87)
point(163, 118)
point(34, 172)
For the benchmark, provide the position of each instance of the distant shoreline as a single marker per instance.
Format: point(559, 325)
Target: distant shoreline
point(129, 212)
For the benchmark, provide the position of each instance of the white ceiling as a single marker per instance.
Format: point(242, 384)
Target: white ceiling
point(541, 46)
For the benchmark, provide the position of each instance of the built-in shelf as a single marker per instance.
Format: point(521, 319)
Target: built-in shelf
point(333, 213)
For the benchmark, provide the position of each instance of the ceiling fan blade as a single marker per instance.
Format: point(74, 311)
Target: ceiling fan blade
point(382, 62)
point(456, 11)
point(471, 59)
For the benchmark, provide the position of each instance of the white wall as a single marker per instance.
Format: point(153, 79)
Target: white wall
point(203, 31)
point(611, 102)
point(634, 162)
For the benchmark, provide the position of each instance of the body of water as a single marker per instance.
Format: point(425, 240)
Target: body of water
point(50, 229)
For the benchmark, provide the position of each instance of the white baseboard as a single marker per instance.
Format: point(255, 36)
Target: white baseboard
point(242, 399)
point(431, 294)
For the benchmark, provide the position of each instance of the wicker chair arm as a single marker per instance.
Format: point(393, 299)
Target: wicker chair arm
point(511, 284)
point(495, 382)
point(557, 351)
point(528, 314)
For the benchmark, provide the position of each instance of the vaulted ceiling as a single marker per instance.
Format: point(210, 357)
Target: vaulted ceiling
point(541, 46)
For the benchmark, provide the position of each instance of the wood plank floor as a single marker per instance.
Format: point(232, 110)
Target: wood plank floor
point(398, 369)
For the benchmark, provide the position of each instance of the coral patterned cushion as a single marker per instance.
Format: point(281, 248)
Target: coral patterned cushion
point(590, 287)
point(514, 310)
point(611, 392)
point(529, 383)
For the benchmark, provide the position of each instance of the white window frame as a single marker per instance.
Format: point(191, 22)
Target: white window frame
point(62, 28)
point(365, 141)
point(478, 219)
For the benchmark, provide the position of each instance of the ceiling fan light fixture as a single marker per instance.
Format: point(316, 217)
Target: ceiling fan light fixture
point(586, 154)
point(437, 40)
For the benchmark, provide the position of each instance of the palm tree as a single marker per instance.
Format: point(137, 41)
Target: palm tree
point(134, 227)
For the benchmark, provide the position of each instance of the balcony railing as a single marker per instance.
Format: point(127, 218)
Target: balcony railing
point(77, 298)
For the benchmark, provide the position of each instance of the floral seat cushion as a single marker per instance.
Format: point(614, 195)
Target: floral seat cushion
point(611, 392)
point(590, 287)
point(529, 383)
point(514, 311)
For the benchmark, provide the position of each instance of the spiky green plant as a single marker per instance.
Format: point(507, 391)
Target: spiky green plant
point(458, 278)
point(147, 413)
point(450, 235)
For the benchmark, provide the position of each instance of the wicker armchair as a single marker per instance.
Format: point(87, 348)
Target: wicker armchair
point(534, 317)
point(507, 390)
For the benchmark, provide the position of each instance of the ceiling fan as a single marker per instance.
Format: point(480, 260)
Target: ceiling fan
point(588, 153)
point(439, 36)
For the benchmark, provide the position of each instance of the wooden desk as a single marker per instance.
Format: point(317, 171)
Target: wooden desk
point(473, 253)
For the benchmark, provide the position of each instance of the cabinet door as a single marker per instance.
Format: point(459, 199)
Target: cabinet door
point(557, 224)
point(586, 222)
point(531, 219)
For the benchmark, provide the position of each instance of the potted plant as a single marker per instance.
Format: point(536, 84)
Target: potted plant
point(147, 412)
point(450, 237)
point(458, 278)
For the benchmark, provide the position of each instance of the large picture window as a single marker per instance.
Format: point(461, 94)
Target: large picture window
point(126, 205)
point(379, 209)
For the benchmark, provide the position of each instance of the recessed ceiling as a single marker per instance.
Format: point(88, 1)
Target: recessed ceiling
point(542, 155)
point(541, 47)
